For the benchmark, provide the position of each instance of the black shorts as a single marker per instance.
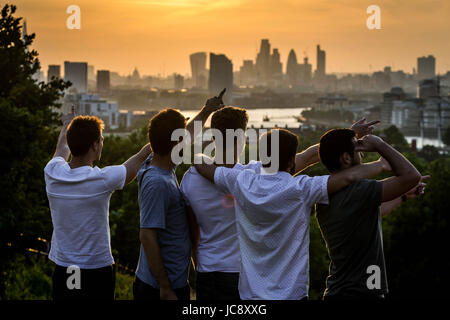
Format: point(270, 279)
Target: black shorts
point(95, 284)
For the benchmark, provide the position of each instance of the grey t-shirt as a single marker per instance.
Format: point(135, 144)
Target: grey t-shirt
point(351, 227)
point(162, 206)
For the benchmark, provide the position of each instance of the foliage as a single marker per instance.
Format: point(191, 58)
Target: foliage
point(27, 137)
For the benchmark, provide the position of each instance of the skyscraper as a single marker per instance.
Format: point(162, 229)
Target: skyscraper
point(178, 81)
point(320, 70)
point(103, 81)
point(198, 68)
point(305, 71)
point(220, 75)
point(292, 68)
point(276, 67)
point(247, 73)
point(54, 71)
point(426, 67)
point(263, 61)
point(77, 73)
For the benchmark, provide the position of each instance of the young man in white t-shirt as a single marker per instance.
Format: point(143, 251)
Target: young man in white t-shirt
point(272, 213)
point(79, 195)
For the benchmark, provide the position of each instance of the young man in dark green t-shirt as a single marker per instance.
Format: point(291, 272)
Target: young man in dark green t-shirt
point(351, 222)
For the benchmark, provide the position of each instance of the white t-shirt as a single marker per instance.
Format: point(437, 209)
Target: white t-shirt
point(273, 213)
point(218, 248)
point(79, 205)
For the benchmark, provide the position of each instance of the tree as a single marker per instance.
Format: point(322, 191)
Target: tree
point(27, 139)
point(394, 137)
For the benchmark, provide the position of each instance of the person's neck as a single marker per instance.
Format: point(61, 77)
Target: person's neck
point(163, 162)
point(81, 161)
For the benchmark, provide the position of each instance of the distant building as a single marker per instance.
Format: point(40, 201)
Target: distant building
point(198, 69)
point(305, 72)
point(427, 89)
point(103, 81)
point(247, 73)
point(178, 80)
point(292, 68)
point(77, 74)
point(426, 67)
point(54, 71)
point(91, 72)
point(276, 67)
point(91, 104)
point(263, 61)
point(220, 75)
point(320, 70)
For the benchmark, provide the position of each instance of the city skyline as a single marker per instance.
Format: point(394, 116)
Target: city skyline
point(157, 37)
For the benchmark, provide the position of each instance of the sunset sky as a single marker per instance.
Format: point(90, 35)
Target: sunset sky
point(156, 36)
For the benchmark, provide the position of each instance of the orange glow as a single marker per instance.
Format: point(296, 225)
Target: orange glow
point(157, 35)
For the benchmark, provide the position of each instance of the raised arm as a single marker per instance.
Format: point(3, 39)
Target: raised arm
point(341, 179)
point(62, 149)
point(135, 162)
point(388, 206)
point(406, 175)
point(310, 156)
point(210, 106)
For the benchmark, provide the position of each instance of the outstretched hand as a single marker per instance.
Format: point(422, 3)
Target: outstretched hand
point(368, 143)
point(362, 128)
point(419, 189)
point(215, 103)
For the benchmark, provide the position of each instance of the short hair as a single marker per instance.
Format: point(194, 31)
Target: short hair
point(160, 130)
point(333, 144)
point(82, 132)
point(229, 118)
point(288, 144)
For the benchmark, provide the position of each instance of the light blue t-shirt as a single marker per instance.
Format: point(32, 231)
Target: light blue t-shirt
point(162, 206)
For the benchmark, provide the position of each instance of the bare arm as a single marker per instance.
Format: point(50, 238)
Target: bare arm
point(135, 162)
point(194, 232)
point(341, 179)
point(310, 156)
point(406, 175)
point(62, 149)
point(210, 106)
point(306, 158)
point(388, 206)
point(148, 238)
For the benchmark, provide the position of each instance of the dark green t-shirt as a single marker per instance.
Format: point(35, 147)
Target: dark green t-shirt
point(351, 227)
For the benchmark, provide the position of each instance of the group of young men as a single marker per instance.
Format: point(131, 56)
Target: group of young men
point(244, 227)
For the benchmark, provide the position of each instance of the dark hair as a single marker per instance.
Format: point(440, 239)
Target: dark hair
point(333, 144)
point(82, 132)
point(160, 130)
point(229, 118)
point(288, 144)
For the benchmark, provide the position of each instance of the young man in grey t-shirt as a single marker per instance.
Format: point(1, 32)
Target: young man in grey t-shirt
point(351, 222)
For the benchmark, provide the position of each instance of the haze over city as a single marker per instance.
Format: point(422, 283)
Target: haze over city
point(158, 36)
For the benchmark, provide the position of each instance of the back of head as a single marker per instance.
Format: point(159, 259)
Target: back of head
point(161, 127)
point(82, 132)
point(229, 118)
point(333, 144)
point(287, 147)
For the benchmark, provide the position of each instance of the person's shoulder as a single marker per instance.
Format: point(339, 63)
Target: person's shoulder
point(54, 162)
